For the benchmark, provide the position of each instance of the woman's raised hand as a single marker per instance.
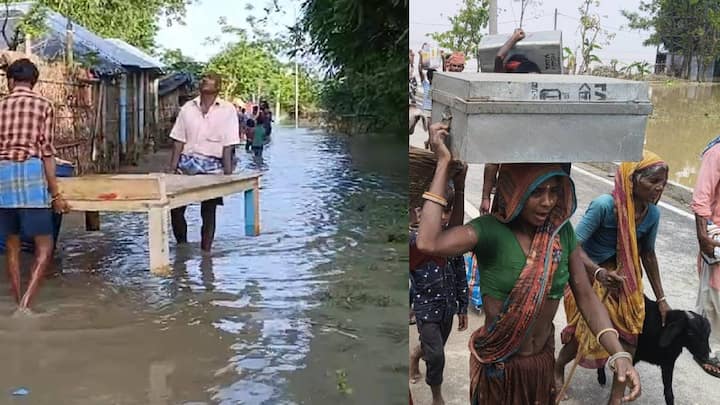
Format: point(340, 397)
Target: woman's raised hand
point(438, 134)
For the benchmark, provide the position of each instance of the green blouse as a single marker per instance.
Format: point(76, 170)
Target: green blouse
point(501, 259)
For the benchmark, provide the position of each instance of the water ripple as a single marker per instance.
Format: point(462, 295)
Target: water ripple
point(250, 297)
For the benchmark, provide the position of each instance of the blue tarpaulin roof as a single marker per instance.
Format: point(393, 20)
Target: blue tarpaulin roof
point(108, 57)
point(150, 61)
point(172, 81)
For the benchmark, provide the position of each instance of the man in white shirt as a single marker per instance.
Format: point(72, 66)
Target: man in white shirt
point(205, 134)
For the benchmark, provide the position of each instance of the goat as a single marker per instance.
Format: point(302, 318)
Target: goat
point(661, 346)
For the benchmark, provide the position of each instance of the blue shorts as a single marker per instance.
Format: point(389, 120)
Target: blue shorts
point(27, 222)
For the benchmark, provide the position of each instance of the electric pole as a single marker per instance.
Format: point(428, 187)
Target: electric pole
point(493, 17)
point(296, 77)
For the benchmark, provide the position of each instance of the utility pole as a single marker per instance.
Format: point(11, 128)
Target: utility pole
point(277, 105)
point(555, 24)
point(296, 79)
point(69, 43)
point(493, 17)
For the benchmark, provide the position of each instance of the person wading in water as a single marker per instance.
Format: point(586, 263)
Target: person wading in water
point(205, 133)
point(28, 186)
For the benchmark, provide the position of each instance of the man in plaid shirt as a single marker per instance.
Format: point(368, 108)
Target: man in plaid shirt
point(28, 186)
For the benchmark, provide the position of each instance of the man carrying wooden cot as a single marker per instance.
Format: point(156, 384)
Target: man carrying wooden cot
point(205, 134)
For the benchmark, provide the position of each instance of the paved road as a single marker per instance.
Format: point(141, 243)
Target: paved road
point(676, 248)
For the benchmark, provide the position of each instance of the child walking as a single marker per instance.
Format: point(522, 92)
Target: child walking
point(440, 292)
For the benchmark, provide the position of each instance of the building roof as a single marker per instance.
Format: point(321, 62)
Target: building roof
point(106, 57)
point(150, 62)
point(173, 81)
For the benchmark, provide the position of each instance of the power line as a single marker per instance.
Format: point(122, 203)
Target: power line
point(604, 25)
point(524, 19)
point(434, 24)
point(450, 25)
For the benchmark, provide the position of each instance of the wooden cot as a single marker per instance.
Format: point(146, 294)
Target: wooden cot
point(157, 194)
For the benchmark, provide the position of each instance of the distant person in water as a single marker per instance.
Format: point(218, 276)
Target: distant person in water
point(259, 134)
point(28, 187)
point(241, 123)
point(267, 119)
point(205, 134)
point(249, 134)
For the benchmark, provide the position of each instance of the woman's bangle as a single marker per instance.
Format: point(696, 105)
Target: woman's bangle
point(661, 299)
point(602, 332)
point(596, 272)
point(435, 198)
point(612, 359)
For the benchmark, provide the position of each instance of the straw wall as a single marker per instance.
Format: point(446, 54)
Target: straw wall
point(74, 108)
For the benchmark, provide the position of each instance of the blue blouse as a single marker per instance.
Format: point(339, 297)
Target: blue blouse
point(597, 230)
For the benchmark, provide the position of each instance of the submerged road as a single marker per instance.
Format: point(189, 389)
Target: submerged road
point(228, 328)
point(676, 249)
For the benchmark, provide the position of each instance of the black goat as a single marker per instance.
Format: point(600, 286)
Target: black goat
point(661, 346)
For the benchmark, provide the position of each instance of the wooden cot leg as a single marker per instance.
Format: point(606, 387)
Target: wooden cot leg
point(252, 212)
point(159, 390)
point(92, 220)
point(158, 240)
point(256, 203)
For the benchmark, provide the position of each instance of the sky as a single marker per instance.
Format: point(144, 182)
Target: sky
point(425, 16)
point(201, 22)
point(428, 16)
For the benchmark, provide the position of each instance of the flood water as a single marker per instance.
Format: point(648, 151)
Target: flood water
point(685, 117)
point(227, 329)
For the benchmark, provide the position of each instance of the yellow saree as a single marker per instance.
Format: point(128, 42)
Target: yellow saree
point(626, 308)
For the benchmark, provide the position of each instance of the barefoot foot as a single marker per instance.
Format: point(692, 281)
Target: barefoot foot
point(438, 401)
point(415, 376)
point(559, 376)
point(22, 312)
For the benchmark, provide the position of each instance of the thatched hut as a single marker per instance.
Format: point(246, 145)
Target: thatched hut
point(113, 111)
point(174, 90)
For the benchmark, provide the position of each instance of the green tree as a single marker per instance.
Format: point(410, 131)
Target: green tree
point(251, 72)
point(641, 69)
point(592, 35)
point(570, 60)
point(362, 45)
point(690, 28)
point(134, 21)
point(465, 34)
point(175, 60)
